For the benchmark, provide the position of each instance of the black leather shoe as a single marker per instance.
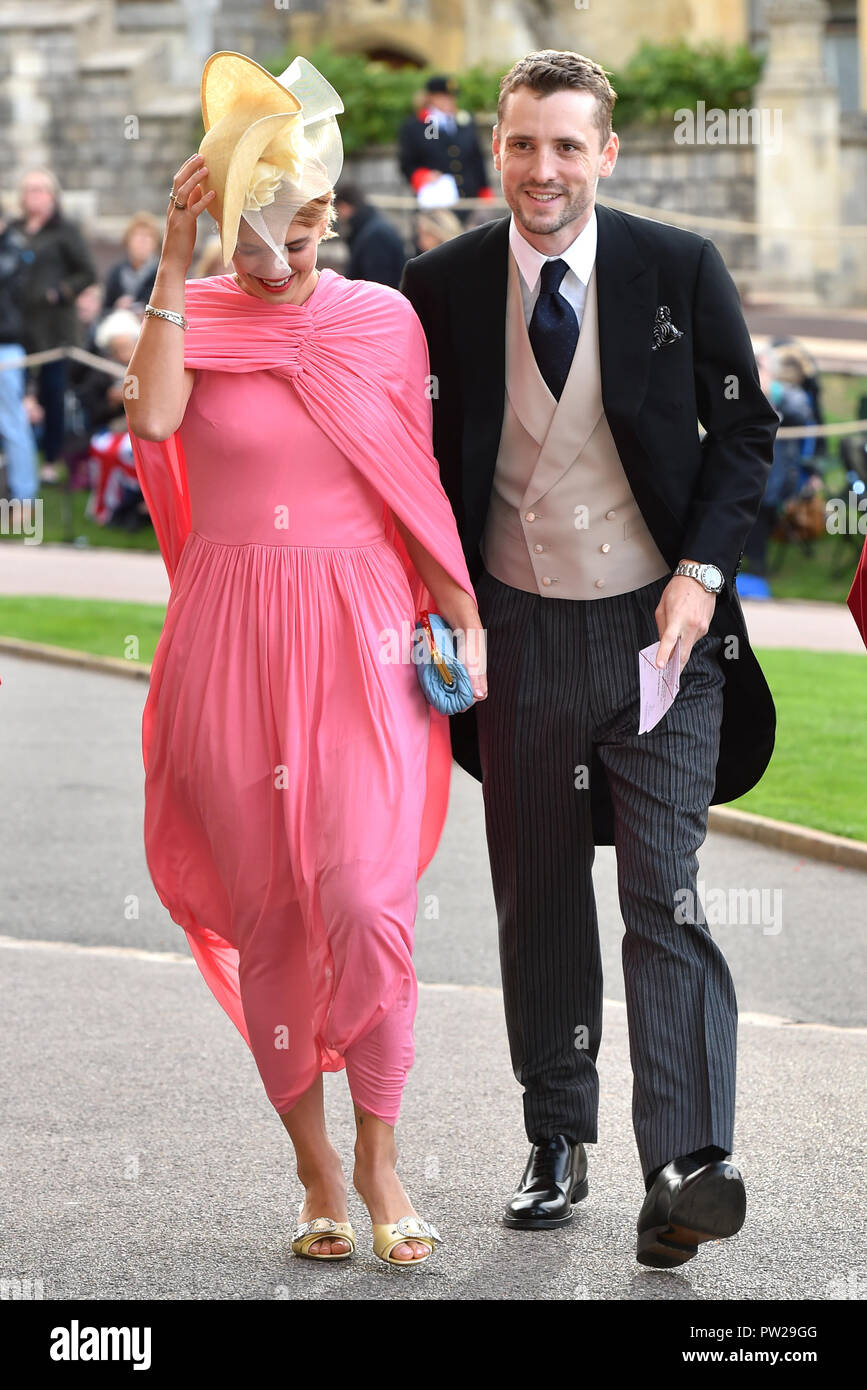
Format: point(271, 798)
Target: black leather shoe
point(554, 1179)
point(688, 1205)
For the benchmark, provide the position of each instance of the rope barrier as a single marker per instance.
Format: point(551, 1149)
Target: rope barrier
point(36, 359)
point(694, 219)
point(821, 431)
point(671, 216)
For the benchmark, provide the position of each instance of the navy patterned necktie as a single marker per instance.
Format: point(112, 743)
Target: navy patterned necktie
point(553, 329)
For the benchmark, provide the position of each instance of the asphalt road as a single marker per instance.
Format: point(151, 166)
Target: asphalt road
point(142, 1159)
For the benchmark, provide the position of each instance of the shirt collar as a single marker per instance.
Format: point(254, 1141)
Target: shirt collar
point(579, 255)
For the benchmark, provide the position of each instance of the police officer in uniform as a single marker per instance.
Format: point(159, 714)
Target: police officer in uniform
point(439, 139)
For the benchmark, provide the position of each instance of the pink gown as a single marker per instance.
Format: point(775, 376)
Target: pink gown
point(296, 777)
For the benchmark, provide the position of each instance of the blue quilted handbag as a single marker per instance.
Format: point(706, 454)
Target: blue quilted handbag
point(444, 680)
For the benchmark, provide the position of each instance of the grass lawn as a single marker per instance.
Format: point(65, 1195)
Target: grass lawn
point(818, 773)
point(824, 572)
point(63, 519)
point(817, 776)
point(100, 626)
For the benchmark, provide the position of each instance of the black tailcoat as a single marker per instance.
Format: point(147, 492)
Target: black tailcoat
point(698, 496)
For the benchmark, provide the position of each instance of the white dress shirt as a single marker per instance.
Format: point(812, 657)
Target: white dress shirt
point(580, 257)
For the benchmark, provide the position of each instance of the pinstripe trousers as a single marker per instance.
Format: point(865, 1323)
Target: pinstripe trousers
point(563, 681)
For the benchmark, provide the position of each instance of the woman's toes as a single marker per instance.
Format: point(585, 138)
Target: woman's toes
point(410, 1251)
point(329, 1246)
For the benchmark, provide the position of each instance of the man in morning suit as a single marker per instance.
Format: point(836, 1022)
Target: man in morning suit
point(574, 349)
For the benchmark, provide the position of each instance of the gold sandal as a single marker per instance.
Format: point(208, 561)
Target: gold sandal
point(387, 1236)
point(308, 1232)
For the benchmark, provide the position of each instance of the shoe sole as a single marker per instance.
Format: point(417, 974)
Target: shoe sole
point(711, 1208)
point(346, 1256)
point(539, 1223)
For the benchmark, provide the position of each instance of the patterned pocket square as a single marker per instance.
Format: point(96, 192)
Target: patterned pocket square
point(664, 330)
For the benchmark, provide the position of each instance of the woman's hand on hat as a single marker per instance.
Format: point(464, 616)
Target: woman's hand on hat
point(185, 204)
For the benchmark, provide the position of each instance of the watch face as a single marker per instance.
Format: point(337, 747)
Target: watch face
point(711, 578)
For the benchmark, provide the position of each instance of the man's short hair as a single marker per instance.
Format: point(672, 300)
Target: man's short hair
point(552, 70)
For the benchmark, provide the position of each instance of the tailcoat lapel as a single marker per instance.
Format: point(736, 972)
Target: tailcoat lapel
point(626, 288)
point(478, 309)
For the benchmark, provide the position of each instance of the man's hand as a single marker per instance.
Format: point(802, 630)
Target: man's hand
point(35, 413)
point(684, 610)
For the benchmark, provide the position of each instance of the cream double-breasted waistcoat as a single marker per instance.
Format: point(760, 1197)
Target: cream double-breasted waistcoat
point(562, 520)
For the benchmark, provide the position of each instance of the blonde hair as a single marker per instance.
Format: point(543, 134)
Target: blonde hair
point(310, 214)
point(440, 223)
point(318, 210)
point(210, 261)
point(147, 221)
point(790, 367)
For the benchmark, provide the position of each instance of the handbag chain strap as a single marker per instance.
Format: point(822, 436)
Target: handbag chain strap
point(440, 664)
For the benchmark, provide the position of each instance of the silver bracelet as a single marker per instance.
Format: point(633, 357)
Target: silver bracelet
point(167, 314)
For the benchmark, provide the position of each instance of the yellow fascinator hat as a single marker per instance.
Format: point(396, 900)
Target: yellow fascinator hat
point(271, 145)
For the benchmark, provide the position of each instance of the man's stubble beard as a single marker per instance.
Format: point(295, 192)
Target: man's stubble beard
point(576, 209)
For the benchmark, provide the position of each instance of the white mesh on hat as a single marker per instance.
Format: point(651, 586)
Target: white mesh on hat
point(277, 192)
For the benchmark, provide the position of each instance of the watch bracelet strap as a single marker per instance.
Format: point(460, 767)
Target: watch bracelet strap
point(691, 570)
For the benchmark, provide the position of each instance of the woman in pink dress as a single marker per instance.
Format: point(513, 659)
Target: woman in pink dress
point(296, 777)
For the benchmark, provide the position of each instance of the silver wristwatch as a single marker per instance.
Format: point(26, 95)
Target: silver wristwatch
point(710, 577)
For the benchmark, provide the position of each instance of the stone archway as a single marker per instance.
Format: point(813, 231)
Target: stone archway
point(391, 56)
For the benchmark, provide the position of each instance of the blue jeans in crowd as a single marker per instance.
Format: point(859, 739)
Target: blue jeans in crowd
point(16, 435)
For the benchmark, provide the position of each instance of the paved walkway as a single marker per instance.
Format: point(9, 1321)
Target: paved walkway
point(140, 576)
point(836, 338)
point(820, 627)
point(83, 572)
point(820, 323)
